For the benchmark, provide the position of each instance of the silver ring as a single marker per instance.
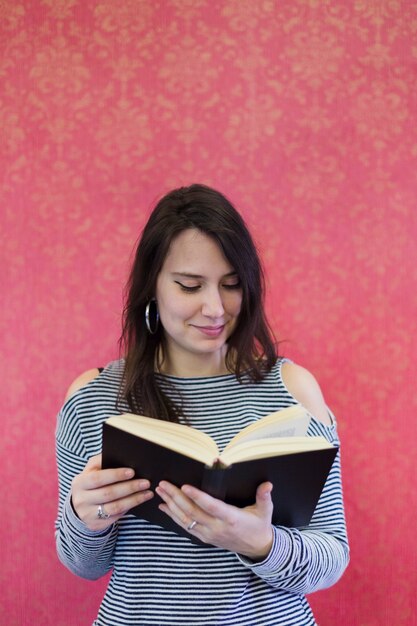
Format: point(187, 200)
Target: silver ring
point(192, 524)
point(101, 513)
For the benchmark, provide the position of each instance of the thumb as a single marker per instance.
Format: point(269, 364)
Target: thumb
point(264, 500)
point(94, 463)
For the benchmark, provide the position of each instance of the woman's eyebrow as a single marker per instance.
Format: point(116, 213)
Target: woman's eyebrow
point(199, 276)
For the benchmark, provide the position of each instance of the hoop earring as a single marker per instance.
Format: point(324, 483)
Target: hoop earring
point(155, 315)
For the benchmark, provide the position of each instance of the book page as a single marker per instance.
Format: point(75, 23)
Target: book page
point(263, 448)
point(289, 422)
point(183, 439)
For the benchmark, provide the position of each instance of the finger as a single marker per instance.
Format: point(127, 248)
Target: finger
point(181, 521)
point(118, 508)
point(209, 505)
point(117, 491)
point(190, 522)
point(93, 478)
point(94, 463)
point(113, 511)
point(264, 504)
point(181, 509)
point(95, 487)
point(176, 505)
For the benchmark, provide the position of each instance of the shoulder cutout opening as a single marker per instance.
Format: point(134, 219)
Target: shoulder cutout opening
point(305, 389)
point(81, 381)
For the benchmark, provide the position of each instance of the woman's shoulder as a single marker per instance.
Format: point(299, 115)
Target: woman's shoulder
point(112, 371)
point(81, 381)
point(303, 386)
point(91, 398)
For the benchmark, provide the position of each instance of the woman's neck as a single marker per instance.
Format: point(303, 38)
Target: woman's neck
point(193, 365)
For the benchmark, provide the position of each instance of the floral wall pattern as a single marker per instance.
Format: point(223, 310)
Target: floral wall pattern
point(304, 112)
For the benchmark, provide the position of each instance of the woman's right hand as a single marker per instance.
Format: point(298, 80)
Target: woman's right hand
point(114, 490)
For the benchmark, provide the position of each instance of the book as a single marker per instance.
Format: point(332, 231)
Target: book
point(275, 448)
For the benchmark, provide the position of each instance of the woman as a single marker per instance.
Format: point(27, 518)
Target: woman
point(198, 350)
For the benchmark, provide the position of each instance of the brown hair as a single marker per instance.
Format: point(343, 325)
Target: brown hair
point(251, 351)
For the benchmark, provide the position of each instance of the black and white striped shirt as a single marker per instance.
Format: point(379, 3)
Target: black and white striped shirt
point(161, 578)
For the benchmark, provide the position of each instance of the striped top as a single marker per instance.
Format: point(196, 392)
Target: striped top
point(161, 578)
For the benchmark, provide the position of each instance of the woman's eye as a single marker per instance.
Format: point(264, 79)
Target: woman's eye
point(187, 288)
point(233, 285)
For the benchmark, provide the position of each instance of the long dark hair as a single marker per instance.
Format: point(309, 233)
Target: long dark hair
point(251, 351)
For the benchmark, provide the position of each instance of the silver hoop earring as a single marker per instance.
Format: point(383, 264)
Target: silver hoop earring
point(154, 314)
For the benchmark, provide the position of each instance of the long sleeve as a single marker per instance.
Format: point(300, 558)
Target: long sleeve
point(308, 559)
point(84, 552)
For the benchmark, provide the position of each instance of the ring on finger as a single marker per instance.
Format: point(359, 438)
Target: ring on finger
point(192, 524)
point(101, 513)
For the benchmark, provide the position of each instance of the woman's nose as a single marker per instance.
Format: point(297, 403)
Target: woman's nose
point(213, 304)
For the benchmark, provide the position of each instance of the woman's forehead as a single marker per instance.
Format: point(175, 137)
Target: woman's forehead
point(194, 252)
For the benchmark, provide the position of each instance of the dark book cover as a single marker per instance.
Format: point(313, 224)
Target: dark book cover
point(298, 478)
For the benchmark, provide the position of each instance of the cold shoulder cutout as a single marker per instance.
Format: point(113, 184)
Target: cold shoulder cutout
point(82, 380)
point(303, 386)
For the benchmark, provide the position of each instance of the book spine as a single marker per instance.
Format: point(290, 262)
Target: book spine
point(214, 482)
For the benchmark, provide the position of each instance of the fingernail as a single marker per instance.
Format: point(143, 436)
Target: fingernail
point(129, 473)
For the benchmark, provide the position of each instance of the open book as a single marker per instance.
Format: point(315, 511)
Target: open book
point(275, 448)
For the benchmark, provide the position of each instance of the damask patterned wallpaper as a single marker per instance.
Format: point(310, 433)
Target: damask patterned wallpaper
point(304, 112)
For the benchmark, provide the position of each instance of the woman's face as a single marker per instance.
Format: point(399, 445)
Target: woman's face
point(199, 299)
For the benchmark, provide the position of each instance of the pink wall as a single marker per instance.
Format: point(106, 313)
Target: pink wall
point(304, 113)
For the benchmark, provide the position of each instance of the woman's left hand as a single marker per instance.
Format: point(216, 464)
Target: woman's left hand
point(247, 531)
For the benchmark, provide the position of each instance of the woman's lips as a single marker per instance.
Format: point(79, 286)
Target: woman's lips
point(211, 331)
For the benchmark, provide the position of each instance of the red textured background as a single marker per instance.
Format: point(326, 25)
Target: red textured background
point(304, 112)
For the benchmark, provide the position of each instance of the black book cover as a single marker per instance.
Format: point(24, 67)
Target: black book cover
point(298, 478)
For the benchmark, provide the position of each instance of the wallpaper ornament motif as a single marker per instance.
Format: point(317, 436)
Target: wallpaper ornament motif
point(238, 15)
point(315, 57)
point(59, 71)
point(60, 9)
point(11, 14)
point(188, 9)
point(379, 11)
point(380, 113)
